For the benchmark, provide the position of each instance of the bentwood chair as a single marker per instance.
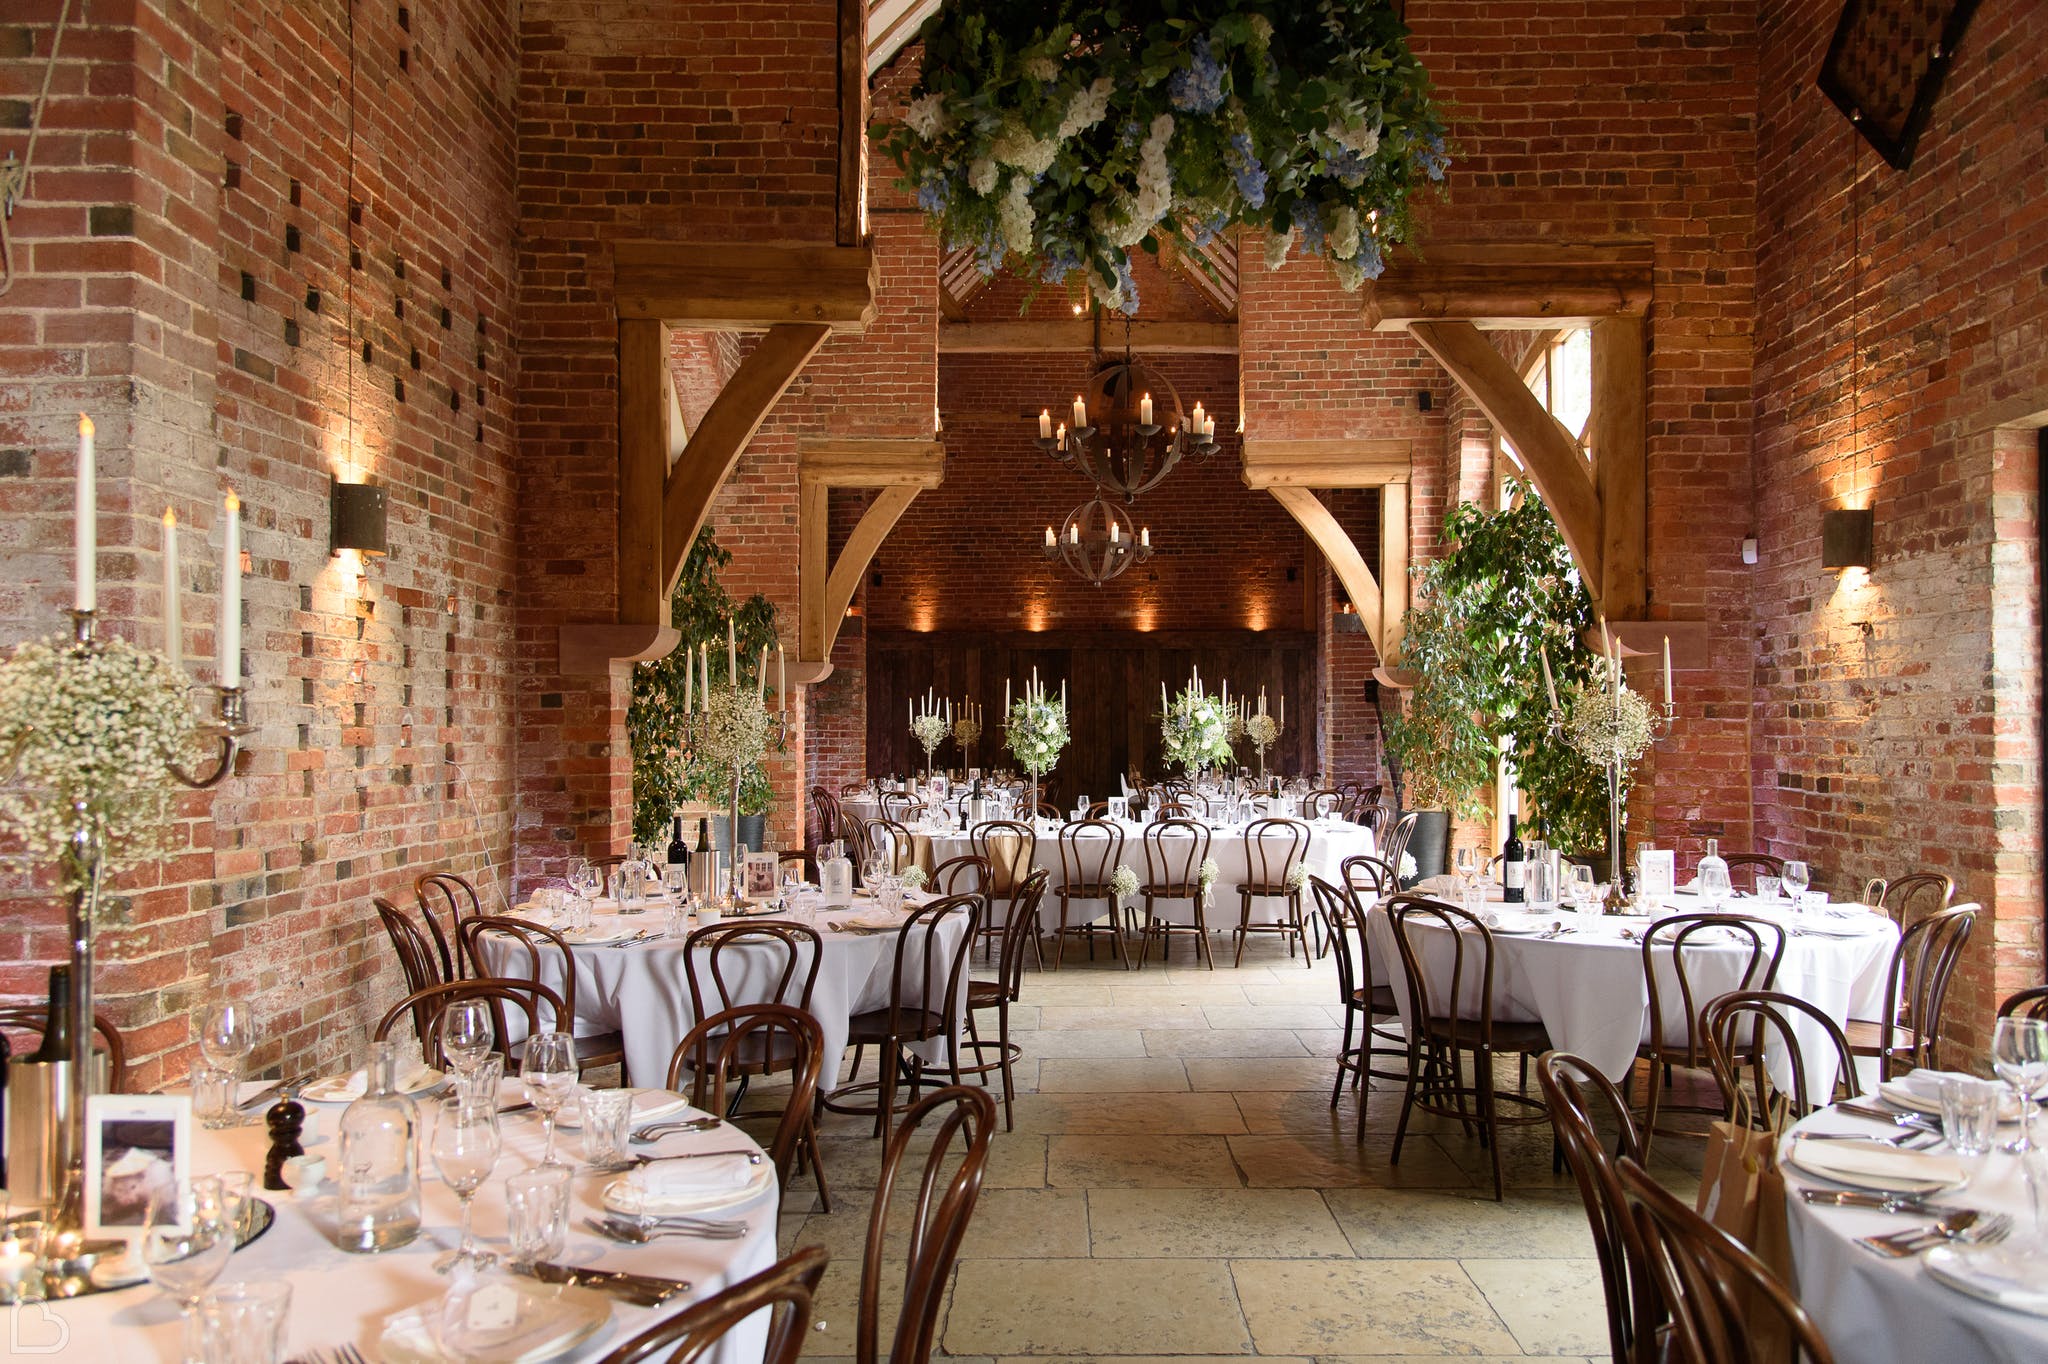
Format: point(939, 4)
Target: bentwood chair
point(1324, 802)
point(888, 842)
point(1912, 896)
point(1756, 864)
point(826, 809)
point(1009, 847)
point(1567, 1079)
point(1671, 954)
point(545, 957)
point(1174, 852)
point(1019, 928)
point(609, 865)
point(963, 1123)
point(967, 874)
point(1738, 1026)
point(1907, 1035)
point(33, 1018)
point(1364, 1003)
point(2031, 1002)
point(446, 901)
point(901, 806)
point(1450, 1017)
point(726, 1046)
point(1090, 852)
point(533, 1000)
point(933, 949)
point(1397, 839)
point(785, 1290)
point(1273, 848)
point(1713, 1292)
point(1365, 875)
point(417, 960)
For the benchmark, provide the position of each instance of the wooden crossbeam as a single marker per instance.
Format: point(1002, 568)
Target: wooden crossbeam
point(900, 469)
point(731, 286)
point(1324, 463)
point(1078, 334)
point(1517, 284)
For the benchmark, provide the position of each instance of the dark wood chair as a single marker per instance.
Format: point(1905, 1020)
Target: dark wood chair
point(446, 901)
point(1364, 1003)
point(797, 858)
point(1756, 864)
point(1371, 814)
point(33, 1018)
point(825, 807)
point(1908, 1033)
point(786, 1290)
point(1010, 847)
point(1739, 1024)
point(1441, 1035)
point(1020, 922)
point(532, 952)
point(1273, 848)
point(2031, 1002)
point(1323, 802)
point(1364, 874)
point(534, 1000)
point(1174, 852)
point(967, 874)
point(901, 806)
point(888, 842)
point(1666, 948)
point(418, 962)
point(1090, 852)
point(1046, 809)
point(1910, 897)
point(934, 966)
point(1396, 841)
point(1712, 1291)
point(1566, 1080)
point(726, 1046)
point(963, 1118)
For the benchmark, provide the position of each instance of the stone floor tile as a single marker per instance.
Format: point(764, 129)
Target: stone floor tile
point(1140, 1161)
point(1283, 1160)
point(1266, 1016)
point(1146, 1075)
point(1223, 1042)
point(1441, 1224)
point(1249, 1075)
point(1038, 1044)
point(1079, 1307)
point(1366, 1307)
point(1150, 1114)
point(1212, 1223)
point(1550, 1305)
point(1061, 1017)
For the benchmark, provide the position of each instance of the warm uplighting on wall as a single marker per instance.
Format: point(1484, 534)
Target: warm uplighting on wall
point(1034, 614)
point(1255, 617)
point(1846, 538)
point(1146, 618)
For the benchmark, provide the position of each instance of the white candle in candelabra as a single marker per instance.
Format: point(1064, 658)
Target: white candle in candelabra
point(1145, 410)
point(1667, 672)
point(1050, 539)
point(781, 679)
point(1145, 537)
point(1548, 686)
point(1045, 424)
point(689, 680)
point(910, 709)
point(1074, 534)
point(230, 630)
point(174, 609)
point(1062, 436)
point(1063, 693)
point(1080, 413)
point(1116, 532)
point(732, 655)
point(85, 523)
point(1226, 693)
point(761, 677)
point(1164, 704)
point(1283, 710)
point(1198, 418)
point(1006, 696)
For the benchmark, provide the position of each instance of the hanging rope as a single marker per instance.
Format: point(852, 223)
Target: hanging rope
point(13, 174)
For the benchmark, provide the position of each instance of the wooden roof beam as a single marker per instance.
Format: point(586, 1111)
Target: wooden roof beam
point(1078, 334)
point(728, 286)
point(1512, 285)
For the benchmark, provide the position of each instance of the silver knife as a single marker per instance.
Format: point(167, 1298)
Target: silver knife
point(1898, 1119)
point(644, 1290)
point(753, 1157)
point(264, 1093)
point(1855, 1198)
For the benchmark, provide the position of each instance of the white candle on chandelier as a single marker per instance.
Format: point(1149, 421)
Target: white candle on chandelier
point(1283, 710)
point(1116, 532)
point(1145, 537)
point(1074, 533)
point(1050, 539)
point(910, 709)
point(689, 680)
point(1196, 423)
point(230, 630)
point(1226, 693)
point(1063, 436)
point(781, 678)
point(1006, 696)
point(1163, 703)
point(1080, 413)
point(1667, 672)
point(1063, 693)
point(85, 524)
point(1145, 410)
point(1045, 424)
point(761, 677)
point(174, 613)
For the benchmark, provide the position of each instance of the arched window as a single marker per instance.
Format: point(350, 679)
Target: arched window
point(1558, 368)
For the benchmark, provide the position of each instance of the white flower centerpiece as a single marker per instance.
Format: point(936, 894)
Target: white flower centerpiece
point(1035, 731)
point(1263, 730)
point(930, 730)
point(1194, 728)
point(1607, 723)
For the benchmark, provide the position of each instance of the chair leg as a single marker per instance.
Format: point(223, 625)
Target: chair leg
point(1202, 933)
point(1482, 1071)
point(1407, 1100)
point(1337, 1089)
point(809, 1143)
point(1650, 1106)
point(1009, 1076)
point(885, 1087)
point(1243, 929)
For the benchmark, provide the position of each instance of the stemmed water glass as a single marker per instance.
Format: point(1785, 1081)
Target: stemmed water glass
point(586, 878)
point(549, 1070)
point(1795, 880)
point(466, 1147)
point(227, 1034)
point(2019, 1053)
point(466, 1034)
point(186, 1242)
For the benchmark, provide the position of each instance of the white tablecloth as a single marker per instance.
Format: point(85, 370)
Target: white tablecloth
point(643, 990)
point(1330, 842)
point(1587, 987)
point(340, 1298)
point(1875, 1310)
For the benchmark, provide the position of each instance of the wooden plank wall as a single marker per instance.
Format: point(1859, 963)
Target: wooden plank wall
point(1112, 692)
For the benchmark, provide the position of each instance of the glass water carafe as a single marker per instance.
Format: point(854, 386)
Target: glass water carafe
point(1713, 875)
point(835, 877)
point(1542, 878)
point(380, 1174)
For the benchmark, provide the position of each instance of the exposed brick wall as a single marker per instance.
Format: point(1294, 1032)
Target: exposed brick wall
point(1897, 714)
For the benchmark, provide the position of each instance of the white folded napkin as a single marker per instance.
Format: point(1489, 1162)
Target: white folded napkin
point(683, 1178)
point(1854, 1162)
point(1926, 1084)
point(335, 1089)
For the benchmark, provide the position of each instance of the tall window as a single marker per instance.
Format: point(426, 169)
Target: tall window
point(1559, 371)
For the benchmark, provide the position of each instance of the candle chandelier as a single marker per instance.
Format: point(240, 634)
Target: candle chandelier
point(1128, 431)
point(1099, 540)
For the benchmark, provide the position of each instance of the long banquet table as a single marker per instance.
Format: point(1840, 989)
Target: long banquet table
point(341, 1298)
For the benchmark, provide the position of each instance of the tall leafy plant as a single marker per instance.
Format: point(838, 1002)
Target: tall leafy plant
point(656, 722)
point(1505, 587)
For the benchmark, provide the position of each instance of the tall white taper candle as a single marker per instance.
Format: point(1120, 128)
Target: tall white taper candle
point(174, 609)
point(230, 630)
point(85, 525)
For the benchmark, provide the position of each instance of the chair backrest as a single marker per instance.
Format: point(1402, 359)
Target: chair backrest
point(936, 966)
point(1370, 814)
point(1417, 919)
point(725, 1044)
point(1018, 928)
point(1174, 851)
point(1008, 846)
point(1098, 809)
point(731, 956)
point(1908, 897)
point(939, 1217)
point(32, 1018)
point(1321, 802)
point(1362, 872)
point(1090, 850)
point(1710, 1286)
point(900, 806)
point(1174, 809)
point(1566, 1078)
point(785, 1289)
point(1739, 1025)
point(853, 788)
point(1048, 809)
point(1272, 849)
point(826, 808)
point(967, 874)
point(1916, 986)
point(2031, 1002)
point(1341, 918)
point(890, 842)
point(1756, 864)
point(446, 900)
point(1671, 943)
point(524, 951)
point(417, 960)
point(532, 998)
point(1397, 839)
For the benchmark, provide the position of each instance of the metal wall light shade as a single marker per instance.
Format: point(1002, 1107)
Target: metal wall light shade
point(1847, 538)
point(357, 519)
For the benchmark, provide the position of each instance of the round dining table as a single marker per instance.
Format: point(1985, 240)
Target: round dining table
point(340, 1298)
point(1874, 1309)
point(631, 978)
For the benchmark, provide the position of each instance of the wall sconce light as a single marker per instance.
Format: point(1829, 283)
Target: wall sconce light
point(356, 518)
point(1846, 536)
point(1749, 549)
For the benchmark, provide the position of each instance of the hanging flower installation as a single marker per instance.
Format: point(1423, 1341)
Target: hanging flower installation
point(1060, 136)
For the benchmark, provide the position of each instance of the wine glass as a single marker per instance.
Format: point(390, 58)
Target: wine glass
point(465, 1149)
point(1796, 878)
point(549, 1070)
point(2019, 1053)
point(227, 1034)
point(466, 1034)
point(586, 878)
point(185, 1245)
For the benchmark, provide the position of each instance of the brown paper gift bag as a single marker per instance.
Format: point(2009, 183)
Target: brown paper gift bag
point(1742, 1193)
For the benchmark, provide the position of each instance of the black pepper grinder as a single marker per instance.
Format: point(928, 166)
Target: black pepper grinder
point(286, 1120)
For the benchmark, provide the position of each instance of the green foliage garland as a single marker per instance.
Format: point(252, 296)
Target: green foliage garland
point(1060, 135)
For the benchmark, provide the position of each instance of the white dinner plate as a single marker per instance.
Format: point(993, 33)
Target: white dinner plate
point(2001, 1274)
point(649, 1105)
point(620, 1196)
point(597, 935)
point(1900, 1095)
point(343, 1089)
point(552, 1321)
point(1522, 925)
point(1876, 1165)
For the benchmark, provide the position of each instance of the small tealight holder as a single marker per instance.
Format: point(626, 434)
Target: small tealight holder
point(21, 1261)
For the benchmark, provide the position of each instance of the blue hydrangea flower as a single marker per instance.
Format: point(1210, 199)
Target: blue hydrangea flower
point(988, 257)
point(1206, 230)
point(1197, 87)
point(1310, 221)
point(1246, 170)
point(1368, 258)
point(1432, 157)
point(934, 192)
point(1057, 260)
point(1127, 287)
point(1348, 166)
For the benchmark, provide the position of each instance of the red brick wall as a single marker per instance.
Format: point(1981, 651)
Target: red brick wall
point(1897, 713)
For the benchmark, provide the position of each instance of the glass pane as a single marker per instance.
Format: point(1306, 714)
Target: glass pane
point(1571, 366)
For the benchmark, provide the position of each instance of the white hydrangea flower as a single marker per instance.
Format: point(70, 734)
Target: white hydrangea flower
point(1350, 276)
point(981, 176)
point(1015, 146)
point(927, 116)
point(1041, 68)
point(1344, 233)
point(1017, 217)
point(1356, 135)
point(1086, 110)
point(1262, 31)
point(1278, 244)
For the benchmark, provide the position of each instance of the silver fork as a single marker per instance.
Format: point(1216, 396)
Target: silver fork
point(631, 1235)
point(710, 1226)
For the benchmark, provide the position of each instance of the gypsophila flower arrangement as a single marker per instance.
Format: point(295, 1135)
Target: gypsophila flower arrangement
point(1194, 730)
point(1606, 721)
point(1207, 877)
point(736, 728)
point(1297, 876)
point(1059, 137)
point(930, 730)
point(967, 730)
point(913, 878)
point(107, 726)
point(1035, 731)
point(1124, 884)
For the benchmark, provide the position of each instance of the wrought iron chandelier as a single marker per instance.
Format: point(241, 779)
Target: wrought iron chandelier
point(1099, 540)
point(1115, 441)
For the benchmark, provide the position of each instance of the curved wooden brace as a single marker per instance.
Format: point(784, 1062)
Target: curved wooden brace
point(901, 469)
point(1345, 560)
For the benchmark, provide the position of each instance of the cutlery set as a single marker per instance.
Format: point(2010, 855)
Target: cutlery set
point(642, 1290)
point(640, 1230)
point(1964, 1227)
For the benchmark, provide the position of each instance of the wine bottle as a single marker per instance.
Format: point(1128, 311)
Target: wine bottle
point(56, 1044)
point(6, 1053)
point(678, 851)
point(1513, 867)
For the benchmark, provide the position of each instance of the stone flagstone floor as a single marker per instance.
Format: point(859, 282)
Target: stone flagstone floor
point(1177, 1186)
